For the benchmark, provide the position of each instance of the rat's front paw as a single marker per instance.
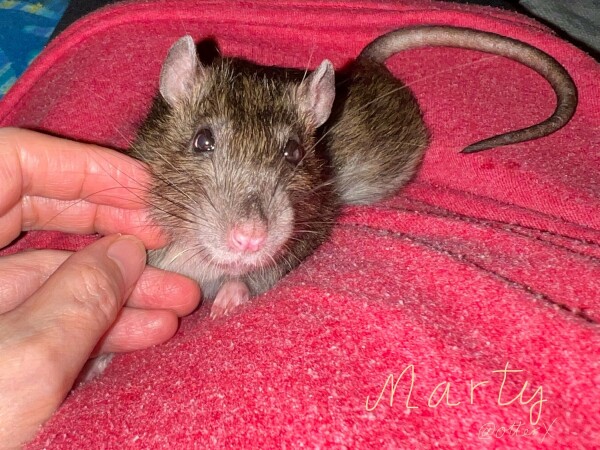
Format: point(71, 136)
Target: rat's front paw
point(232, 294)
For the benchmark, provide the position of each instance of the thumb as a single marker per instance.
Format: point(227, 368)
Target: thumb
point(46, 340)
point(81, 300)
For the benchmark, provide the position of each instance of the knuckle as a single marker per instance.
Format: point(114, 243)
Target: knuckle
point(95, 294)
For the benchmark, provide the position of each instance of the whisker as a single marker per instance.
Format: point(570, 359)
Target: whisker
point(312, 50)
point(177, 170)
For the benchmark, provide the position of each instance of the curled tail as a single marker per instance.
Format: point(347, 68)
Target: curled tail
point(445, 36)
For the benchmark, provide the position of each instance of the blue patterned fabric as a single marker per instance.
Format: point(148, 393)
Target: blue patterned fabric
point(25, 27)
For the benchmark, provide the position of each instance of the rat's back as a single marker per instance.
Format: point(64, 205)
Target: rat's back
point(377, 135)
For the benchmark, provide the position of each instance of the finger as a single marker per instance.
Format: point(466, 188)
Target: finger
point(36, 165)
point(82, 217)
point(136, 329)
point(159, 289)
point(23, 273)
point(45, 341)
point(62, 169)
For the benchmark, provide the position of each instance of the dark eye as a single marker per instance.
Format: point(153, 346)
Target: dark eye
point(204, 141)
point(293, 152)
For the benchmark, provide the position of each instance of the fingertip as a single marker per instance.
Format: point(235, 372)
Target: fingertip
point(159, 289)
point(185, 294)
point(136, 329)
point(157, 238)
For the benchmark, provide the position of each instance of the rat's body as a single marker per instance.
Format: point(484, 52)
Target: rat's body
point(249, 173)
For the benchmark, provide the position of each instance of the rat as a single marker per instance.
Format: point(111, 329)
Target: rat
point(250, 164)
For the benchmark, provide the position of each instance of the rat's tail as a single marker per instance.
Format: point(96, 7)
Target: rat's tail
point(445, 36)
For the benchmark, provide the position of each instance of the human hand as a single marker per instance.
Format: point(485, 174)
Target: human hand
point(57, 308)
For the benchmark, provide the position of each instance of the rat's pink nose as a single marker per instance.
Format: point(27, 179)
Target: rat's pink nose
point(247, 237)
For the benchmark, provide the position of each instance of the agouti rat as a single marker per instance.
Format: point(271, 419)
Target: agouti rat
point(250, 164)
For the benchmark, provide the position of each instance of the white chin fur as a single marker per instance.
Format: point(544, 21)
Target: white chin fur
point(207, 265)
point(207, 259)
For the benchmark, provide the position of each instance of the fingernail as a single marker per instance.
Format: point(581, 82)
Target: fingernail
point(129, 254)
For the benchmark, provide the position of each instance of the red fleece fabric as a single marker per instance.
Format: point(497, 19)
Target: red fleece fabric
point(484, 264)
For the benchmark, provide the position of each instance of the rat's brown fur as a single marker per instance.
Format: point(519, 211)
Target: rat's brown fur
point(377, 136)
point(195, 197)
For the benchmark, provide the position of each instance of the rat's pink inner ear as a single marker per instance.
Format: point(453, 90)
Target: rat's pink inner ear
point(178, 71)
point(317, 93)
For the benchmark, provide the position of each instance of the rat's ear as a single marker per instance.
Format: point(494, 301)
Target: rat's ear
point(317, 92)
point(179, 71)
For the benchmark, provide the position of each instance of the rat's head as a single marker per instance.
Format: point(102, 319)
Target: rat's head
point(238, 180)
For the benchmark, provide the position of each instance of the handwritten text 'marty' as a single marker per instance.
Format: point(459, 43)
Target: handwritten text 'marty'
point(441, 393)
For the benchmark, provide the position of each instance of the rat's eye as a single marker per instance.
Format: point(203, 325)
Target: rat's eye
point(293, 152)
point(204, 141)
